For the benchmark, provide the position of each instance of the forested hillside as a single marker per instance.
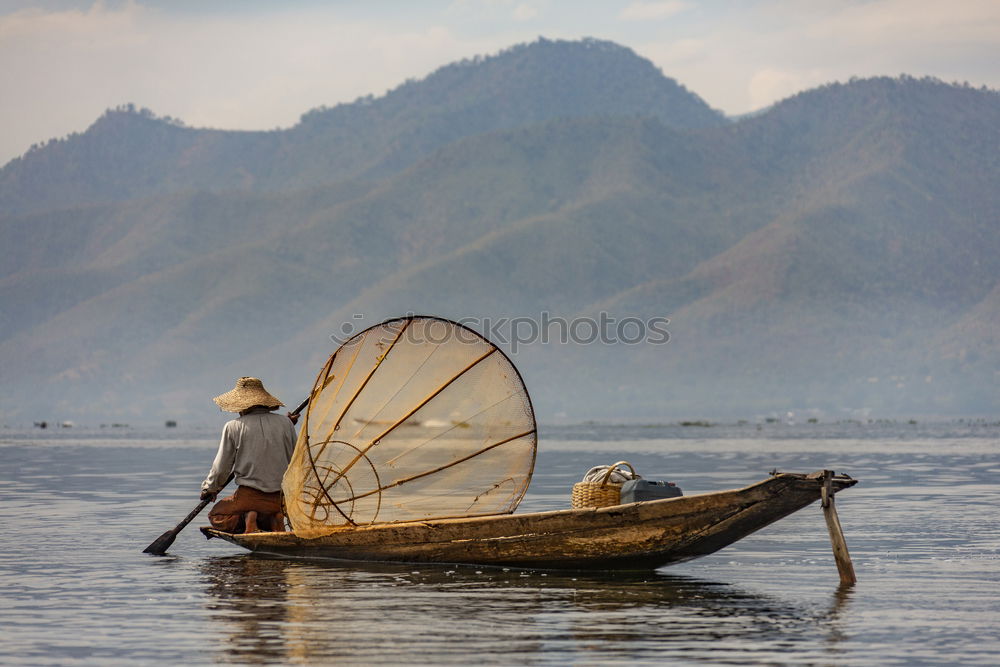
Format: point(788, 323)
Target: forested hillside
point(129, 152)
point(838, 252)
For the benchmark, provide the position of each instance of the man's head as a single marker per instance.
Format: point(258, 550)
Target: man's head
point(248, 393)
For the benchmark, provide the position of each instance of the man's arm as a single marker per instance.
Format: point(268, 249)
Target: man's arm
point(218, 476)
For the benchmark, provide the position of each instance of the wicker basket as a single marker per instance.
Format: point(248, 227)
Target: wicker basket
point(600, 494)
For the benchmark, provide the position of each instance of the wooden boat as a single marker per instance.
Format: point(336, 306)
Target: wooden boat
point(419, 442)
point(637, 536)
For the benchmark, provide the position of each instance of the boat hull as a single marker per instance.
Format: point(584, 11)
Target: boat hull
point(637, 536)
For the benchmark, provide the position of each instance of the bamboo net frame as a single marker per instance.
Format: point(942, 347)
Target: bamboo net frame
point(414, 418)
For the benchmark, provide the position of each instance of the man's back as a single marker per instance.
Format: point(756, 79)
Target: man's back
point(258, 446)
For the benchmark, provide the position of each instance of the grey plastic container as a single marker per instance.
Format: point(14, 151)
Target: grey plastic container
point(635, 490)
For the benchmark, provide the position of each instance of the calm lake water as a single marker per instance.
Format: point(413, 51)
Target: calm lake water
point(78, 506)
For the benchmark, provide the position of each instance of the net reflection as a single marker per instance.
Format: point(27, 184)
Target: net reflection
point(301, 611)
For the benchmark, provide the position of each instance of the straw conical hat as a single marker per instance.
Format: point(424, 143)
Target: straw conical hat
point(247, 393)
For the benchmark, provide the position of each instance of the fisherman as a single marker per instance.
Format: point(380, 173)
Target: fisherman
point(255, 448)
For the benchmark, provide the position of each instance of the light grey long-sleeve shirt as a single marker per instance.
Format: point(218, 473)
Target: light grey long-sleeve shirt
point(256, 446)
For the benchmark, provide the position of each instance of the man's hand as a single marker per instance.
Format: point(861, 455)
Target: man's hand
point(208, 495)
point(294, 417)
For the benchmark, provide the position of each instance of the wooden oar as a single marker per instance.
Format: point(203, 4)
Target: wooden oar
point(163, 542)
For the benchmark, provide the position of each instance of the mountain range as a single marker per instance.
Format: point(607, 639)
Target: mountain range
point(836, 254)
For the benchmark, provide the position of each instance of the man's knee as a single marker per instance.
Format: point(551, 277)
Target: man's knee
point(227, 523)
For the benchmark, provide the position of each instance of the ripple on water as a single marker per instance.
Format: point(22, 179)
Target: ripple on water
point(74, 587)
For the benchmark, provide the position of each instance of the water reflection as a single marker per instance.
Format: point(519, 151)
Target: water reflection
point(268, 610)
point(251, 601)
point(836, 618)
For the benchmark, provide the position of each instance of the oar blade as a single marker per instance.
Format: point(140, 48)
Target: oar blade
point(161, 543)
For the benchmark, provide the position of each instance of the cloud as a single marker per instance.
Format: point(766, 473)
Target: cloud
point(643, 10)
point(915, 21)
point(685, 50)
point(757, 53)
point(525, 12)
point(255, 71)
point(261, 65)
point(766, 86)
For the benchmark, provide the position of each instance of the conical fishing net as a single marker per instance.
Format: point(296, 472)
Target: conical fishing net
point(415, 418)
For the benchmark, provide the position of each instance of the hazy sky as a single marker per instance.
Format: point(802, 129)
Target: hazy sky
point(249, 64)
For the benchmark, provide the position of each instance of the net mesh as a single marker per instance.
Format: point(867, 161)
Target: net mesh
point(415, 418)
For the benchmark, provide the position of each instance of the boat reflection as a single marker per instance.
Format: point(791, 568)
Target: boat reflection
point(250, 600)
point(271, 610)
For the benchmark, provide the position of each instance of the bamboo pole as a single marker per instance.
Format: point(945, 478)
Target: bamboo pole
point(840, 553)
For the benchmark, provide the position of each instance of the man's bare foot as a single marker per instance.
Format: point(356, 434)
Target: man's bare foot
point(251, 519)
